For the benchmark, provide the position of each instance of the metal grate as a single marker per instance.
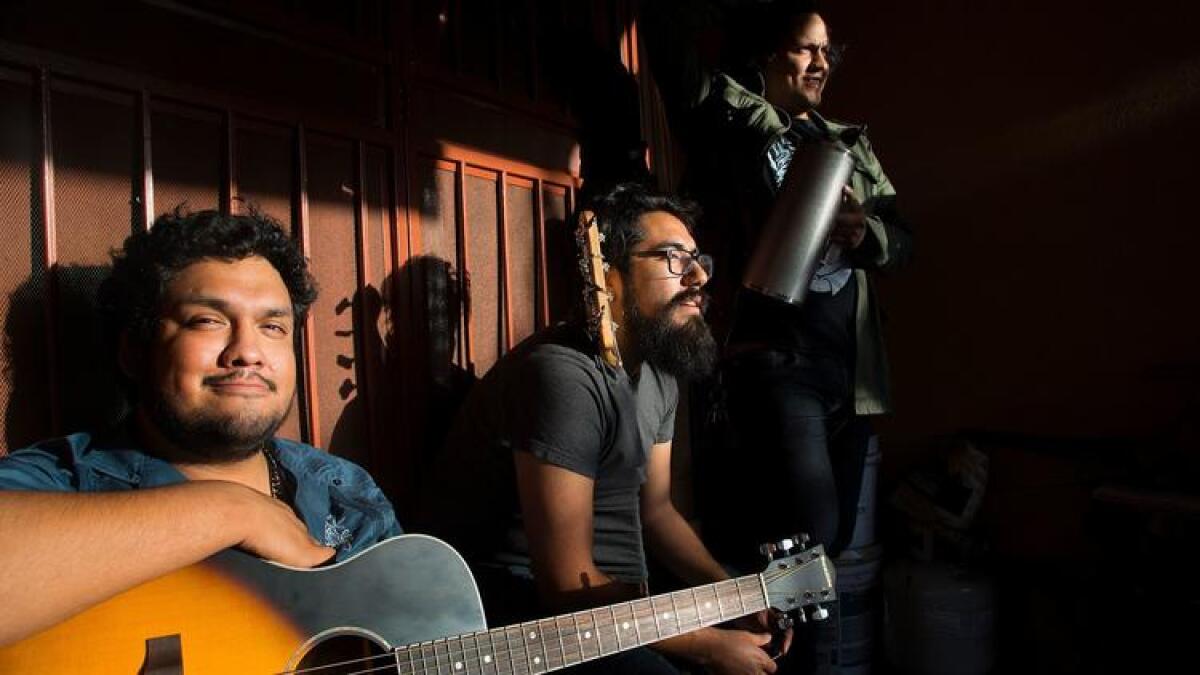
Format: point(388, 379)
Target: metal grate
point(24, 390)
point(186, 158)
point(93, 140)
point(334, 248)
point(561, 268)
point(521, 260)
point(483, 270)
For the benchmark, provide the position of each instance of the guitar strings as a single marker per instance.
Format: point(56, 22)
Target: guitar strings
point(471, 654)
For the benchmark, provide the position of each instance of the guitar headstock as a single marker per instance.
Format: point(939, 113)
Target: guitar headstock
point(797, 578)
point(595, 291)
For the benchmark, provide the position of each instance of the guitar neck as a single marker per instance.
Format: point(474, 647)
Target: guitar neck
point(558, 642)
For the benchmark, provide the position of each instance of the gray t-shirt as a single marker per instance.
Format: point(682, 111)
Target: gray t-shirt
point(554, 398)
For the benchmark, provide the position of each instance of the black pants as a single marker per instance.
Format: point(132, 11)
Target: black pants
point(796, 460)
point(791, 462)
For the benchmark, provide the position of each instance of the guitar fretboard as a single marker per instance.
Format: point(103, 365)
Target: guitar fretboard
point(569, 639)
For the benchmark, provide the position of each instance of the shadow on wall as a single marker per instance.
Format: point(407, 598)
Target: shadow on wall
point(604, 98)
point(85, 377)
point(420, 382)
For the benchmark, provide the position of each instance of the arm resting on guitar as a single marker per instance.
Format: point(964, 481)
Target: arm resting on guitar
point(675, 544)
point(65, 552)
point(670, 539)
point(556, 504)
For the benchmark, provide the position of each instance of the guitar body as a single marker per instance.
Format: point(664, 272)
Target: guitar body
point(234, 613)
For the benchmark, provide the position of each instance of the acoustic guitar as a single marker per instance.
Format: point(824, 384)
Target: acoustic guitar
point(406, 605)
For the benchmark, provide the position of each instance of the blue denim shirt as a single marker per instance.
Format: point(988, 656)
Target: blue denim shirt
point(336, 499)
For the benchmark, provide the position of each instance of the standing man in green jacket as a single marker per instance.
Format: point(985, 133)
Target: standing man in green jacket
point(800, 381)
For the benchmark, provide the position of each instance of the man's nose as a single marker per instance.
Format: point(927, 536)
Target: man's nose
point(244, 349)
point(695, 277)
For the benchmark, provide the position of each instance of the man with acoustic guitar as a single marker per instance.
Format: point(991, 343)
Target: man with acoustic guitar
point(558, 467)
point(201, 311)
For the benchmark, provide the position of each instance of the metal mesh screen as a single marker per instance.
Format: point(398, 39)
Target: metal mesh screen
point(483, 269)
point(377, 371)
point(522, 266)
point(435, 271)
point(331, 232)
point(263, 168)
point(478, 46)
point(24, 390)
point(94, 155)
point(561, 268)
point(517, 49)
point(186, 157)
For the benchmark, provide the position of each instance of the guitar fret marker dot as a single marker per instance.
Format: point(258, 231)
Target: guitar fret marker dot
point(487, 658)
point(537, 660)
point(532, 635)
point(708, 605)
point(458, 665)
point(625, 625)
point(587, 634)
point(666, 615)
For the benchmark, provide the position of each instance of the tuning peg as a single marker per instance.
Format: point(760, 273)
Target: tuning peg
point(767, 550)
point(801, 539)
point(819, 613)
point(800, 616)
point(783, 621)
point(785, 545)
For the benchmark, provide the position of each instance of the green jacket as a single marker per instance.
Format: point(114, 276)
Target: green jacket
point(726, 130)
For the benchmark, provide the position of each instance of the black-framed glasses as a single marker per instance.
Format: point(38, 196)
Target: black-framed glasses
point(680, 262)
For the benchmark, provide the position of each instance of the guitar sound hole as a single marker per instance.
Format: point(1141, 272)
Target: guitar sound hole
point(348, 649)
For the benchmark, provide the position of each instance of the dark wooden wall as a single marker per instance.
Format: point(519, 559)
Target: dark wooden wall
point(424, 153)
point(1046, 153)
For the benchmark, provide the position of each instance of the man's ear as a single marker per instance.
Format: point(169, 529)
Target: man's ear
point(614, 281)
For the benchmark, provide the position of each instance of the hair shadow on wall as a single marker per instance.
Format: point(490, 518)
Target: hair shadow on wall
point(84, 383)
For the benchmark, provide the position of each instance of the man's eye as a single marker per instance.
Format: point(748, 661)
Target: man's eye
point(276, 328)
point(203, 321)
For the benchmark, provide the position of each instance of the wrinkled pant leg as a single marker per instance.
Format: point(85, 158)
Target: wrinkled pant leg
point(780, 478)
point(848, 456)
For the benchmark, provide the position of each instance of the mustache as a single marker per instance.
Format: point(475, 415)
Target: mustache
point(239, 374)
point(695, 295)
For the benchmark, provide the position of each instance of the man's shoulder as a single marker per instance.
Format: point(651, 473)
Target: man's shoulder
point(59, 463)
point(313, 461)
point(559, 351)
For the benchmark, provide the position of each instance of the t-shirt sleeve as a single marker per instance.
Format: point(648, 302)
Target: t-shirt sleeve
point(46, 468)
point(556, 409)
point(666, 429)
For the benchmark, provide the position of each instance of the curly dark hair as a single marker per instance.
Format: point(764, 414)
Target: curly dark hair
point(130, 298)
point(618, 210)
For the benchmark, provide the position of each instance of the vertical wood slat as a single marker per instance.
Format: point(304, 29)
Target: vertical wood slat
point(228, 187)
point(49, 244)
point(146, 156)
point(466, 325)
point(308, 339)
point(539, 232)
point(364, 348)
point(504, 295)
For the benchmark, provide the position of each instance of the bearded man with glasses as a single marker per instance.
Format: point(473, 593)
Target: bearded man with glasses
point(558, 467)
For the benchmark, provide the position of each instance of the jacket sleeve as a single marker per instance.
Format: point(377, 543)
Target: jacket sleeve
point(889, 240)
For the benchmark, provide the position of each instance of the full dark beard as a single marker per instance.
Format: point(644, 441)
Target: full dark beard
point(687, 350)
point(203, 438)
